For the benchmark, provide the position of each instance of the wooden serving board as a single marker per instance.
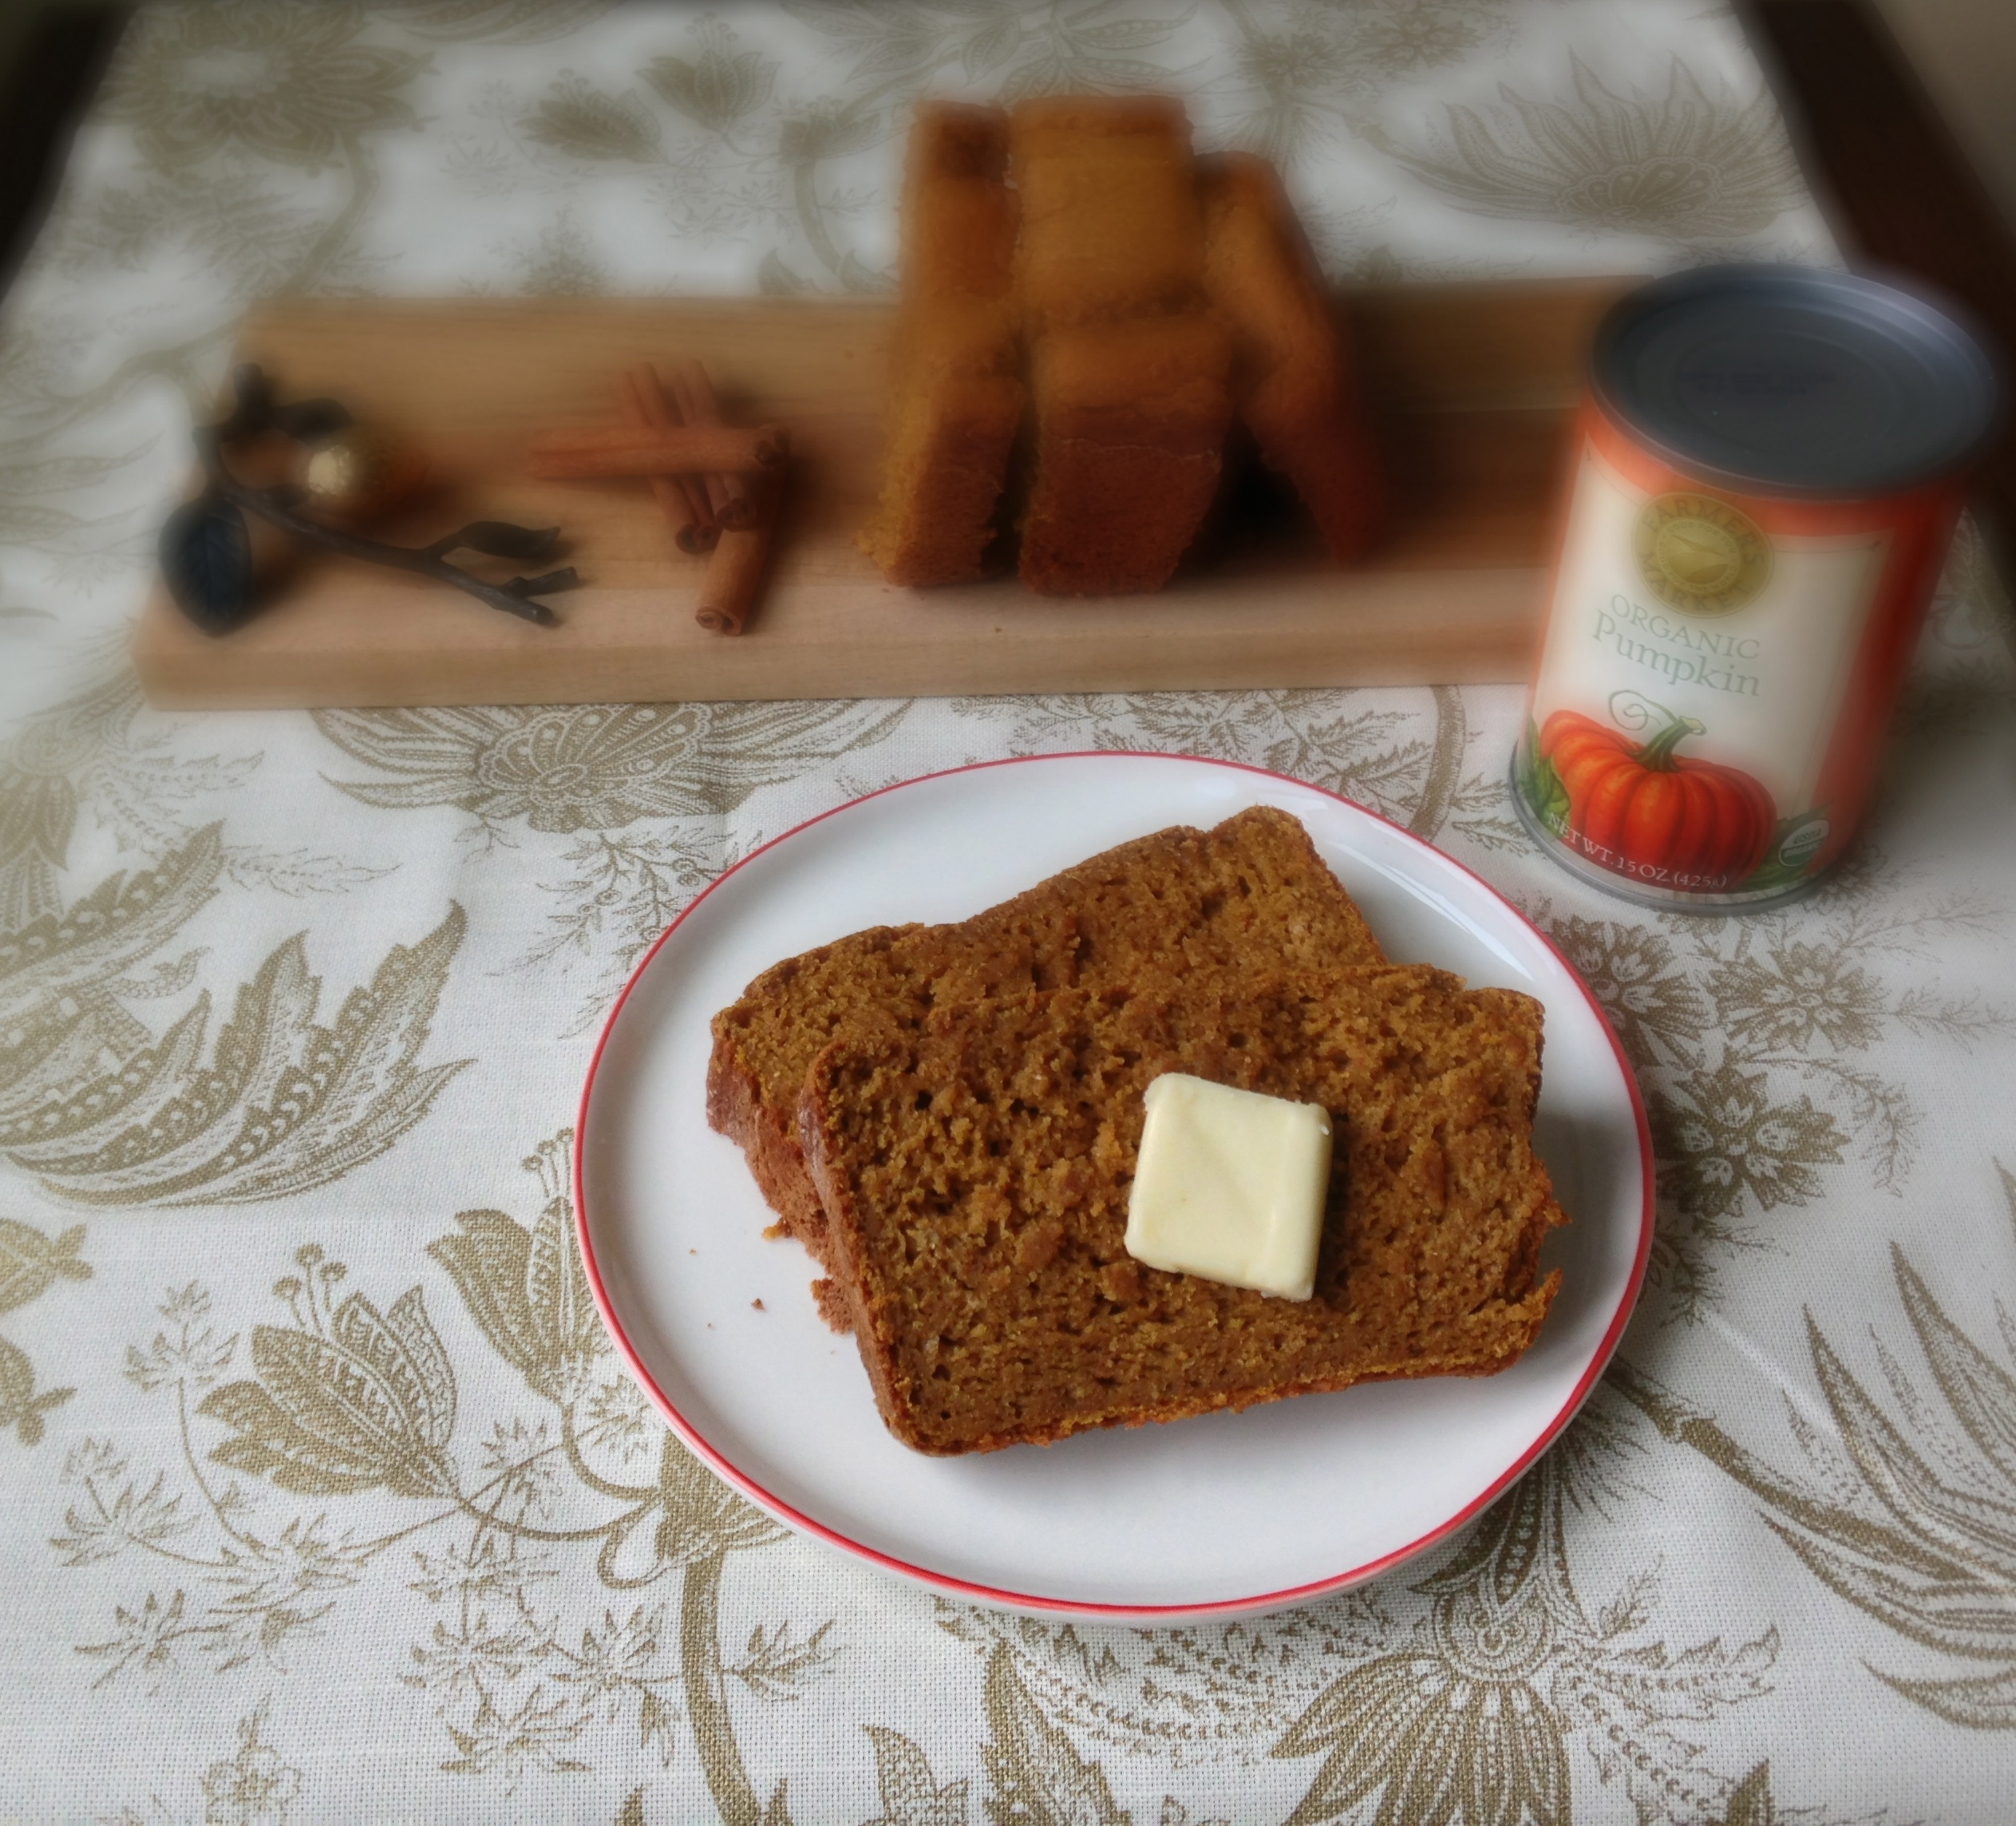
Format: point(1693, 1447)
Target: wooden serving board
point(1472, 387)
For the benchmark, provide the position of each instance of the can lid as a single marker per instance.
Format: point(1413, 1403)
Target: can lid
point(1795, 380)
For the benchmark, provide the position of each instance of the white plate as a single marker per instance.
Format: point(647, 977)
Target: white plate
point(1218, 1515)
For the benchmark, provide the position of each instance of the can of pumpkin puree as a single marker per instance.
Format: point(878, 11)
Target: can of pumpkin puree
point(1769, 463)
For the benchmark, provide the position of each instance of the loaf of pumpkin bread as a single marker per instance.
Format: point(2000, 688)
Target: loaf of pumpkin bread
point(974, 1166)
point(1250, 893)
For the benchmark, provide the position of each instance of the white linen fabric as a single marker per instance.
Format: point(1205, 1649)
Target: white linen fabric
point(322, 1497)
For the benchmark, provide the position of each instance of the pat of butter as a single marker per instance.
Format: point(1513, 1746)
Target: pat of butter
point(1230, 1185)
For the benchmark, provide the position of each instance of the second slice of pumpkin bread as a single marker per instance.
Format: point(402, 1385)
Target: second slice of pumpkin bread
point(1131, 421)
point(1252, 893)
point(1130, 370)
point(975, 1170)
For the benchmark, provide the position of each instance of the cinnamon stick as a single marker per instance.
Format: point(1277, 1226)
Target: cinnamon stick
point(698, 404)
point(640, 396)
point(735, 573)
point(580, 452)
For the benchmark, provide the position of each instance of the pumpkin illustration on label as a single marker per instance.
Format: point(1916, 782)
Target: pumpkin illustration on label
point(1642, 809)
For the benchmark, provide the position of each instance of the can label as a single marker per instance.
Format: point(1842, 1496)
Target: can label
point(1713, 677)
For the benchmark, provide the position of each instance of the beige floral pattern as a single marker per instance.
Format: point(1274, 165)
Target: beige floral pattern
point(593, 767)
point(103, 1111)
point(292, 84)
point(1756, 1046)
point(255, 1787)
point(594, 773)
point(99, 757)
point(1421, 781)
point(505, 22)
point(1729, 1144)
point(1487, 1691)
point(1309, 69)
point(353, 1397)
point(581, 121)
point(1687, 166)
point(30, 1263)
point(324, 1494)
point(1909, 1515)
point(1635, 973)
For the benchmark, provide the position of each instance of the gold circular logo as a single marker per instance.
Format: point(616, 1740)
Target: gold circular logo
point(1699, 554)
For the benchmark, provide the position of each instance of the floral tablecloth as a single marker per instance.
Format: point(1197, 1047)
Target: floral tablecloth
point(321, 1496)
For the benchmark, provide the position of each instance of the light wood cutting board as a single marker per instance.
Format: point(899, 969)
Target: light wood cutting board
point(1472, 386)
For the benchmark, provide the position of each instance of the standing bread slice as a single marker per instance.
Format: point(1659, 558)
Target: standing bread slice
point(1130, 370)
point(955, 397)
point(1294, 383)
point(1131, 420)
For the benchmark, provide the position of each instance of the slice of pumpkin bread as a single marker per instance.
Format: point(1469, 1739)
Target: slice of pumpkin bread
point(1252, 892)
point(1131, 421)
point(975, 1168)
point(1295, 384)
point(1111, 228)
point(1129, 369)
point(956, 396)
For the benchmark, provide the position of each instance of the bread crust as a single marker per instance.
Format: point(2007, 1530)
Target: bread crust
point(735, 1108)
point(762, 1123)
point(1112, 230)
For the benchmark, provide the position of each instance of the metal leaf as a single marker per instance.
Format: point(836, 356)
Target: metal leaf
point(206, 552)
point(47, 962)
point(424, 1375)
point(268, 1442)
point(911, 1795)
point(544, 584)
point(703, 1518)
point(354, 1406)
point(499, 539)
point(253, 390)
point(1749, 1804)
point(21, 1408)
point(311, 420)
point(1958, 1616)
point(285, 1104)
point(1976, 1530)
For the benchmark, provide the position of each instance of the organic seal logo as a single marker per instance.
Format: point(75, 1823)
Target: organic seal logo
point(1700, 556)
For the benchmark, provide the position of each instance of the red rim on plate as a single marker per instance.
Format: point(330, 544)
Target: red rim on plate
point(1134, 1613)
